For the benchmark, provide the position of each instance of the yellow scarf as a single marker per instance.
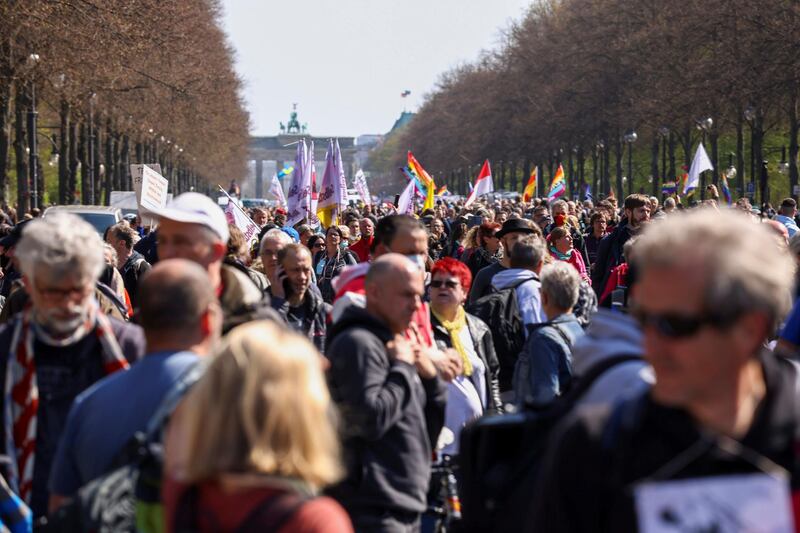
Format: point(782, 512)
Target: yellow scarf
point(454, 328)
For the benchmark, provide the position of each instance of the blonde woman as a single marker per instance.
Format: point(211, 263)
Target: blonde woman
point(254, 441)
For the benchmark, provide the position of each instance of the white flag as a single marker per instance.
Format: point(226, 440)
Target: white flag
point(239, 218)
point(294, 206)
point(302, 206)
point(360, 183)
point(340, 186)
point(700, 163)
point(405, 205)
point(276, 190)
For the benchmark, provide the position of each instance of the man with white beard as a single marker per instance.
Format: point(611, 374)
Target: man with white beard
point(58, 346)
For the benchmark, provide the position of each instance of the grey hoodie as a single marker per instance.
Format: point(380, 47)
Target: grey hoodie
point(610, 334)
point(528, 293)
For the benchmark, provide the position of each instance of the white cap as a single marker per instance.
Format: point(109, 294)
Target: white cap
point(196, 208)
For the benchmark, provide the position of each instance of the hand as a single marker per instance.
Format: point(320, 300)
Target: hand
point(400, 349)
point(423, 355)
point(448, 363)
point(277, 285)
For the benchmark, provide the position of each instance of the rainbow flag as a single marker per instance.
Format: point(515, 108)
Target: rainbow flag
point(557, 186)
point(530, 187)
point(442, 191)
point(726, 191)
point(669, 188)
point(416, 170)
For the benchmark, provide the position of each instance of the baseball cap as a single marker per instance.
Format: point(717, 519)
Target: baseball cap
point(14, 236)
point(195, 208)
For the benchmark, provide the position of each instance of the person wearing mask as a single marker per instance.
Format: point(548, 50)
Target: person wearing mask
point(181, 320)
point(58, 346)
point(488, 251)
point(510, 233)
point(477, 389)
point(392, 401)
point(300, 305)
point(329, 263)
point(253, 444)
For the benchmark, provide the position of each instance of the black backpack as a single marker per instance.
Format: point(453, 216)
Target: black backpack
point(500, 311)
point(499, 457)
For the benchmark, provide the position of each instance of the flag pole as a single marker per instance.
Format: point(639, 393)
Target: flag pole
point(230, 200)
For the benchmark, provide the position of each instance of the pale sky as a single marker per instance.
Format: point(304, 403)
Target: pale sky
point(346, 62)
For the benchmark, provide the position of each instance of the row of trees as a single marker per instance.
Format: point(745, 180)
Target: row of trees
point(101, 84)
point(575, 79)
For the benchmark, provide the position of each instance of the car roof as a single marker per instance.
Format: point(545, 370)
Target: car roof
point(83, 209)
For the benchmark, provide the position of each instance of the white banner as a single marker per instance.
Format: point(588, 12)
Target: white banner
point(360, 184)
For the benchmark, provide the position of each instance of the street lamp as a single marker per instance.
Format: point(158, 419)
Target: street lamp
point(663, 132)
point(704, 125)
point(750, 117)
point(629, 139)
point(731, 171)
point(783, 166)
point(90, 156)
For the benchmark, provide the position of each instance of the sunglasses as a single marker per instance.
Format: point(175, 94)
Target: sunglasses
point(675, 325)
point(438, 284)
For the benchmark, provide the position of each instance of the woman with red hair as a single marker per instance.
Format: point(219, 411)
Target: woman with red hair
point(477, 390)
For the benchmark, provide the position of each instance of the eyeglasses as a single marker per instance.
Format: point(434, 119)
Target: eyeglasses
point(438, 284)
point(676, 325)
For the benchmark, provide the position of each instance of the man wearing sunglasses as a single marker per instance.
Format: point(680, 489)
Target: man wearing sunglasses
point(721, 404)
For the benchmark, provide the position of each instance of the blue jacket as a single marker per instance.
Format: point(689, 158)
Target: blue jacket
point(544, 367)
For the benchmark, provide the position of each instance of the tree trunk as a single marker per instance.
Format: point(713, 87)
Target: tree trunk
point(740, 166)
point(672, 171)
point(96, 159)
point(72, 183)
point(109, 159)
point(5, 137)
point(83, 154)
point(793, 148)
point(20, 142)
point(620, 192)
point(654, 163)
point(63, 150)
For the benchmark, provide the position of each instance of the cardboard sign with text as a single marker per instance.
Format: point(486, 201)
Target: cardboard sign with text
point(151, 189)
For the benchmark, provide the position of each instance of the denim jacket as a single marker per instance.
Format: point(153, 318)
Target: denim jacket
point(544, 367)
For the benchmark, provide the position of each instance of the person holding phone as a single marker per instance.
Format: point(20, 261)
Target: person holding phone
point(302, 308)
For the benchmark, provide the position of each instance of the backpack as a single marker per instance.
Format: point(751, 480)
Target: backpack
point(269, 515)
point(500, 456)
point(501, 313)
point(128, 497)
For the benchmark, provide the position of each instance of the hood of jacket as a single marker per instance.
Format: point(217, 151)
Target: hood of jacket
point(358, 317)
point(610, 333)
point(512, 276)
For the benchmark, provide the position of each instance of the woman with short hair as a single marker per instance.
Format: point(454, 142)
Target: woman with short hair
point(560, 244)
point(254, 441)
point(477, 390)
point(329, 262)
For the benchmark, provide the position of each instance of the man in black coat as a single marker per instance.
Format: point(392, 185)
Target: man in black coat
point(391, 400)
point(609, 251)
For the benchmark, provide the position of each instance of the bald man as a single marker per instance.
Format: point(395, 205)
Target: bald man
point(390, 397)
point(182, 320)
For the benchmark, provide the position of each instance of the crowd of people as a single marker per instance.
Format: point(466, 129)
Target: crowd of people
point(180, 378)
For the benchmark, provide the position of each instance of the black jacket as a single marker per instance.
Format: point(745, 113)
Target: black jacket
point(609, 255)
point(390, 418)
point(600, 454)
point(315, 320)
point(484, 347)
